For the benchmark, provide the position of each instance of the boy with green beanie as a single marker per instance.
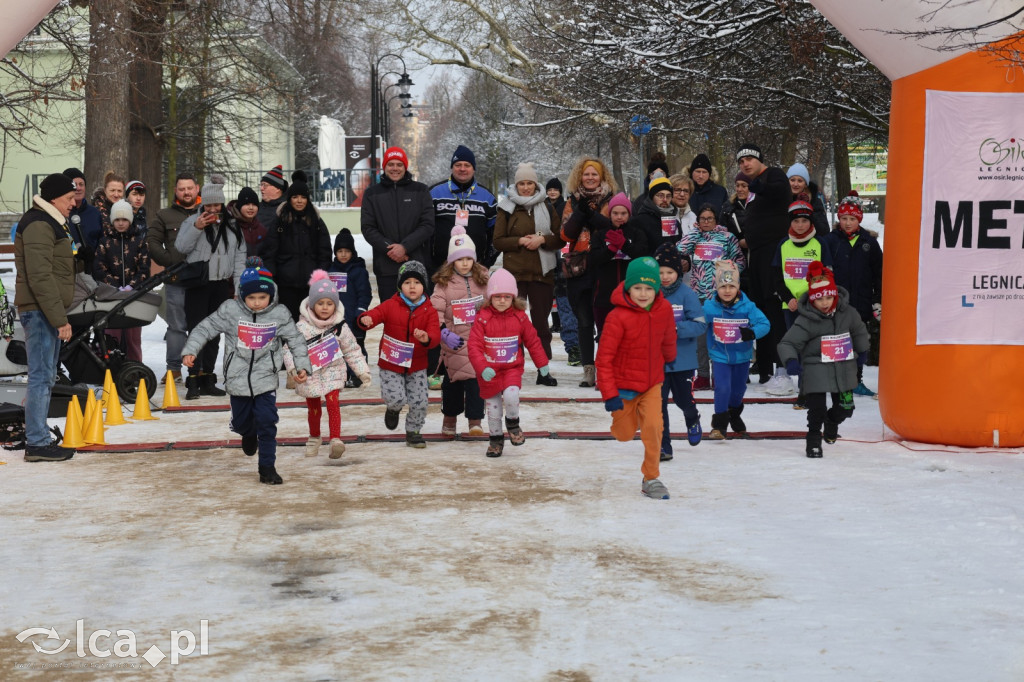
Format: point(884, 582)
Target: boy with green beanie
point(638, 339)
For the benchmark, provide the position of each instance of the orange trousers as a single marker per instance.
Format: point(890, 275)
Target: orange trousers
point(643, 411)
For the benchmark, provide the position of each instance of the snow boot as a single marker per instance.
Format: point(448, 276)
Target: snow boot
point(515, 434)
point(337, 448)
point(391, 419)
point(545, 380)
point(589, 376)
point(270, 476)
point(475, 427)
point(249, 445)
point(813, 444)
point(208, 386)
point(719, 426)
point(831, 431)
point(448, 426)
point(736, 422)
point(192, 387)
point(414, 440)
point(496, 446)
point(313, 444)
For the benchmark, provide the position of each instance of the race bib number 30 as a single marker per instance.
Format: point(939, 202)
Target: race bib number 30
point(340, 280)
point(727, 330)
point(324, 352)
point(396, 352)
point(501, 349)
point(255, 335)
point(836, 348)
point(464, 310)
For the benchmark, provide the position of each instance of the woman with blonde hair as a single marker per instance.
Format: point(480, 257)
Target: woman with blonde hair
point(590, 187)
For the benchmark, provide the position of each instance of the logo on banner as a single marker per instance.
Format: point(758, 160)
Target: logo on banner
point(993, 152)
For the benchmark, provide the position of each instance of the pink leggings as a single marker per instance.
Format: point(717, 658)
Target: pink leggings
point(314, 413)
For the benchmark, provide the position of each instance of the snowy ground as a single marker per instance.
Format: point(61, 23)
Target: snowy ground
point(881, 561)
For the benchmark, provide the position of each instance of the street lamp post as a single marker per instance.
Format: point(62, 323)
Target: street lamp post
point(377, 105)
point(387, 110)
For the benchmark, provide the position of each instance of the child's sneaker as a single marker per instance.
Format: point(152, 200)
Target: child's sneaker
point(448, 425)
point(337, 448)
point(414, 440)
point(496, 446)
point(665, 456)
point(249, 445)
point(515, 434)
point(270, 476)
point(313, 446)
point(863, 390)
point(702, 384)
point(475, 427)
point(654, 489)
point(780, 384)
point(694, 433)
point(391, 419)
point(574, 356)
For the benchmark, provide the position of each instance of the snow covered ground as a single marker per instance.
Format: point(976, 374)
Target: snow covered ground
point(882, 561)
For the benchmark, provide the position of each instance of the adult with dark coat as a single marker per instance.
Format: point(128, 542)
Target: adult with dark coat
point(705, 189)
point(245, 211)
point(272, 189)
point(44, 255)
point(298, 245)
point(803, 189)
point(397, 221)
point(160, 238)
point(657, 167)
point(89, 224)
point(767, 224)
point(461, 200)
point(657, 216)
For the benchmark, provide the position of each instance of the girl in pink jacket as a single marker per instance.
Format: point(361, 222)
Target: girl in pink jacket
point(496, 343)
point(332, 349)
point(461, 285)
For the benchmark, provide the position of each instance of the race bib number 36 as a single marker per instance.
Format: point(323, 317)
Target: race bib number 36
point(501, 349)
point(708, 251)
point(396, 352)
point(727, 330)
point(836, 348)
point(255, 335)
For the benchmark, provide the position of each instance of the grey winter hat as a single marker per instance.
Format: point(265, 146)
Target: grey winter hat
point(213, 194)
point(121, 209)
point(414, 269)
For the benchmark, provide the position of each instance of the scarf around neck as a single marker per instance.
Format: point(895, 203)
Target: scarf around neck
point(541, 221)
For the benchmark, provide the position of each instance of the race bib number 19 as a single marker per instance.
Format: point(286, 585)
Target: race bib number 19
point(501, 349)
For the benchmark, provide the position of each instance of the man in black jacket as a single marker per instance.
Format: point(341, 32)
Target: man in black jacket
point(397, 221)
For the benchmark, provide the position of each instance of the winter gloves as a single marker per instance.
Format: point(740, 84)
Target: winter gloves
point(615, 240)
point(614, 404)
point(487, 374)
point(747, 334)
point(452, 340)
point(793, 367)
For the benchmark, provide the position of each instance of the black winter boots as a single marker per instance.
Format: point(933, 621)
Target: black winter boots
point(735, 422)
point(719, 426)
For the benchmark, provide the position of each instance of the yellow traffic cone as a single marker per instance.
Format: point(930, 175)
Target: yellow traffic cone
point(108, 382)
point(170, 392)
point(115, 417)
point(73, 426)
point(91, 406)
point(142, 403)
point(94, 428)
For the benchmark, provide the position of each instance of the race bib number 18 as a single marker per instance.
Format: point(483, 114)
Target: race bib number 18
point(255, 335)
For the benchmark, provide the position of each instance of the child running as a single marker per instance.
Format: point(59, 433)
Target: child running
point(253, 325)
point(733, 324)
point(496, 343)
point(639, 339)
point(348, 270)
point(461, 285)
point(825, 340)
point(332, 350)
point(689, 318)
point(410, 328)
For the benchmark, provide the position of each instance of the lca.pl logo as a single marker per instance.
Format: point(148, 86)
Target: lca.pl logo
point(97, 644)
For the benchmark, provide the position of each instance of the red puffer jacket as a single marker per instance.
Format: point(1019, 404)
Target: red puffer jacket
point(635, 345)
point(490, 324)
point(399, 323)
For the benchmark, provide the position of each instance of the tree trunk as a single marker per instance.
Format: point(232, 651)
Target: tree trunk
point(617, 160)
point(790, 137)
point(145, 148)
point(841, 158)
point(106, 101)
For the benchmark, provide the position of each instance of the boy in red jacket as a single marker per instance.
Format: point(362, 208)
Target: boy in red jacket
point(410, 328)
point(639, 338)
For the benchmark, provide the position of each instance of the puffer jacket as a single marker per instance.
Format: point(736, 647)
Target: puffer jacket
point(688, 314)
point(226, 262)
point(742, 308)
point(298, 245)
point(250, 372)
point(330, 377)
point(122, 258)
point(803, 342)
point(458, 287)
point(400, 321)
point(693, 244)
point(636, 344)
point(45, 263)
point(397, 213)
point(491, 324)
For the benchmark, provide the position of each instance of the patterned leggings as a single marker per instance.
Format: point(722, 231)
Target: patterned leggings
point(397, 390)
point(314, 414)
point(507, 399)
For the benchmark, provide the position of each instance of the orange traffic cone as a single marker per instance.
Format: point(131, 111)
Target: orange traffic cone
point(91, 405)
point(142, 403)
point(94, 427)
point(73, 425)
point(170, 392)
point(115, 417)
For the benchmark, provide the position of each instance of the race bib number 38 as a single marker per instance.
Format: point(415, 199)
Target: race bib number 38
point(255, 335)
point(727, 330)
point(396, 352)
point(501, 349)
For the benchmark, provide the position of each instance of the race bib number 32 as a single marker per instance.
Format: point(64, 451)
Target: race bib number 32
point(255, 335)
point(727, 330)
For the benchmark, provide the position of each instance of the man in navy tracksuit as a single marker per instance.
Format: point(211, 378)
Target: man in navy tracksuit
point(459, 200)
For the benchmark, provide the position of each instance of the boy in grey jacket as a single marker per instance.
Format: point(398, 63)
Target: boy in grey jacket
point(253, 325)
point(825, 339)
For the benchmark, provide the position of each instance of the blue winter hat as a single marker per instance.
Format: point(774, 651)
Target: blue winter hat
point(256, 279)
point(463, 153)
point(800, 170)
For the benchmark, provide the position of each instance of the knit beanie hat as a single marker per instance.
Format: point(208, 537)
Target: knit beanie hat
point(700, 161)
point(850, 205)
point(740, 177)
point(554, 183)
point(395, 154)
point(800, 209)
point(345, 240)
point(620, 199)
point(658, 185)
point(74, 173)
point(821, 282)
point(502, 282)
point(299, 189)
point(275, 177)
point(749, 149)
point(213, 194)
point(256, 279)
point(321, 286)
point(657, 162)
point(412, 269)
point(643, 271)
point(55, 185)
point(798, 169)
point(460, 245)
point(134, 186)
point(463, 153)
point(668, 256)
point(526, 171)
point(726, 272)
point(247, 196)
point(121, 209)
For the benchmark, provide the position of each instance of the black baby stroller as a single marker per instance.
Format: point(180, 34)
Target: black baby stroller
point(90, 352)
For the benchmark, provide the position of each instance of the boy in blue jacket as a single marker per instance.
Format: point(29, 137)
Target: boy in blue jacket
point(689, 318)
point(354, 293)
point(733, 323)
